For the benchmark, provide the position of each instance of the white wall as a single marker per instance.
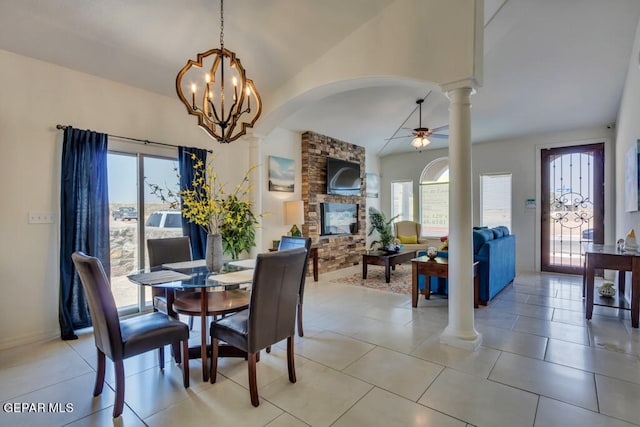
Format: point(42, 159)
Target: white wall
point(281, 143)
point(35, 97)
point(628, 133)
point(517, 157)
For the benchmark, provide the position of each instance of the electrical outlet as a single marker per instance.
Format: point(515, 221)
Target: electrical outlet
point(41, 218)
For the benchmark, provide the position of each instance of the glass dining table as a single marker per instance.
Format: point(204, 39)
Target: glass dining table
point(214, 294)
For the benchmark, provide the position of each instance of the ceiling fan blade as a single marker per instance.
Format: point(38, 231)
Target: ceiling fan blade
point(399, 137)
point(438, 129)
point(439, 136)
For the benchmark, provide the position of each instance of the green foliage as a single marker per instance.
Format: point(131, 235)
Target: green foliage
point(379, 223)
point(239, 227)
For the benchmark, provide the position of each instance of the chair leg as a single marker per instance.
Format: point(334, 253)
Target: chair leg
point(97, 389)
point(214, 360)
point(161, 357)
point(268, 349)
point(117, 407)
point(185, 363)
point(290, 360)
point(253, 384)
point(190, 323)
point(300, 331)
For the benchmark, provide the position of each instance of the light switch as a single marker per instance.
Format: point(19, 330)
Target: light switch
point(41, 218)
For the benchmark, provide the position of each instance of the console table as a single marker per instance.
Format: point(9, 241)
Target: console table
point(609, 257)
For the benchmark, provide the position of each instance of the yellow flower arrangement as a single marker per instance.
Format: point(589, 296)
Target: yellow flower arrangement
point(208, 205)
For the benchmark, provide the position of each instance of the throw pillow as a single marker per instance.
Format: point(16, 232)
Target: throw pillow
point(408, 240)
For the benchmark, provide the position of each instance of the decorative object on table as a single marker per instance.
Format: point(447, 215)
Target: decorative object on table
point(225, 123)
point(607, 290)
point(432, 252)
point(373, 185)
point(294, 214)
point(214, 252)
point(630, 241)
point(281, 174)
point(620, 244)
point(275, 244)
point(379, 223)
point(208, 205)
point(445, 244)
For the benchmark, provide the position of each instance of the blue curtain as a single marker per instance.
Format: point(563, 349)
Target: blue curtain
point(84, 220)
point(197, 234)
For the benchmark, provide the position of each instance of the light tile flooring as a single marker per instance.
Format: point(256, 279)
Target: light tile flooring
point(369, 359)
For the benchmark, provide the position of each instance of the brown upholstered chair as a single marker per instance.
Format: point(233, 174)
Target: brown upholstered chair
point(271, 316)
point(288, 242)
point(120, 339)
point(165, 251)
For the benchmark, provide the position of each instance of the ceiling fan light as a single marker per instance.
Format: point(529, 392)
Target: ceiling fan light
point(425, 141)
point(417, 142)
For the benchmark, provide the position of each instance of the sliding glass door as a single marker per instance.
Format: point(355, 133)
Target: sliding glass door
point(137, 215)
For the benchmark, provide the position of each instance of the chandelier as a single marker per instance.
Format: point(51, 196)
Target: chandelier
point(420, 133)
point(221, 96)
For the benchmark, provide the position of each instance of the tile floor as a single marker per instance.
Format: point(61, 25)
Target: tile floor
point(369, 359)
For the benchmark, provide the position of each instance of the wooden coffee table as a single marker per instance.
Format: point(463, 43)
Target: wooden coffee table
point(386, 259)
point(437, 267)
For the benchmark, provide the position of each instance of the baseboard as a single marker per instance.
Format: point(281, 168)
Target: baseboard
point(29, 339)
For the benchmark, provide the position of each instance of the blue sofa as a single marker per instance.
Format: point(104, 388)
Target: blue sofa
point(495, 249)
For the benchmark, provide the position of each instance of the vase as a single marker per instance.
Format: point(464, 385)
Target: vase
point(213, 254)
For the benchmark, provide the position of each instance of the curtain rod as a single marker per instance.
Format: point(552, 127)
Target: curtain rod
point(142, 141)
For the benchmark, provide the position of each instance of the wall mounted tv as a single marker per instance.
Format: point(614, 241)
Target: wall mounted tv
point(338, 218)
point(343, 177)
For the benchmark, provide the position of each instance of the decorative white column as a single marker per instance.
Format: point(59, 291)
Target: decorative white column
point(460, 332)
point(256, 179)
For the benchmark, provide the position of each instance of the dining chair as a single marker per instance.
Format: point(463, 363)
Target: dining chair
point(165, 251)
point(288, 242)
point(120, 339)
point(270, 317)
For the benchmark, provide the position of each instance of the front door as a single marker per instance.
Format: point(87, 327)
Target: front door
point(572, 205)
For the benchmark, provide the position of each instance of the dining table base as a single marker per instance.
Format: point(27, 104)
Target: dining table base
point(214, 304)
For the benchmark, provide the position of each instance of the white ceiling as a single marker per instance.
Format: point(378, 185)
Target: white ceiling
point(549, 65)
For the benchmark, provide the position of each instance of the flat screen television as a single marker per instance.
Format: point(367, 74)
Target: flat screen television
point(338, 218)
point(343, 177)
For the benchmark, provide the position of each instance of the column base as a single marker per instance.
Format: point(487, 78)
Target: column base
point(470, 343)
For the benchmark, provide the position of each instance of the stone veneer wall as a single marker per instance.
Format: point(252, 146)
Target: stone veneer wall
point(334, 252)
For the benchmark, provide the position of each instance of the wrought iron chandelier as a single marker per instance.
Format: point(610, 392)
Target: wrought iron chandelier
point(420, 133)
point(224, 104)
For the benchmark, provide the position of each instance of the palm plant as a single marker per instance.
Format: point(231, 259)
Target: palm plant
point(379, 223)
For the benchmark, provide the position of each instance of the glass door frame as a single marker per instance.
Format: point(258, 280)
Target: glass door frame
point(599, 200)
point(140, 153)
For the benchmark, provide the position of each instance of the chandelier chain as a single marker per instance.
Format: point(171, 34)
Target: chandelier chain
point(221, 24)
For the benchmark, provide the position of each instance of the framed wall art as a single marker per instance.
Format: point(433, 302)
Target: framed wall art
point(281, 174)
point(373, 185)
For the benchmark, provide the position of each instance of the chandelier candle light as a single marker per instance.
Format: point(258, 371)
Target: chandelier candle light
point(224, 97)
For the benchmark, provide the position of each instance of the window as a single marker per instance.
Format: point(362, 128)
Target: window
point(495, 200)
point(402, 200)
point(136, 215)
point(434, 198)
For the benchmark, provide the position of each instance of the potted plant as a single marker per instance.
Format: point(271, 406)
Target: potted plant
point(378, 222)
point(227, 217)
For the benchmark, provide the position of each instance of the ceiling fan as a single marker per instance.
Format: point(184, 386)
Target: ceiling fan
point(421, 134)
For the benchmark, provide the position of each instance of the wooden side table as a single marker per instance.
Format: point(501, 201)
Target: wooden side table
point(438, 267)
point(608, 257)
